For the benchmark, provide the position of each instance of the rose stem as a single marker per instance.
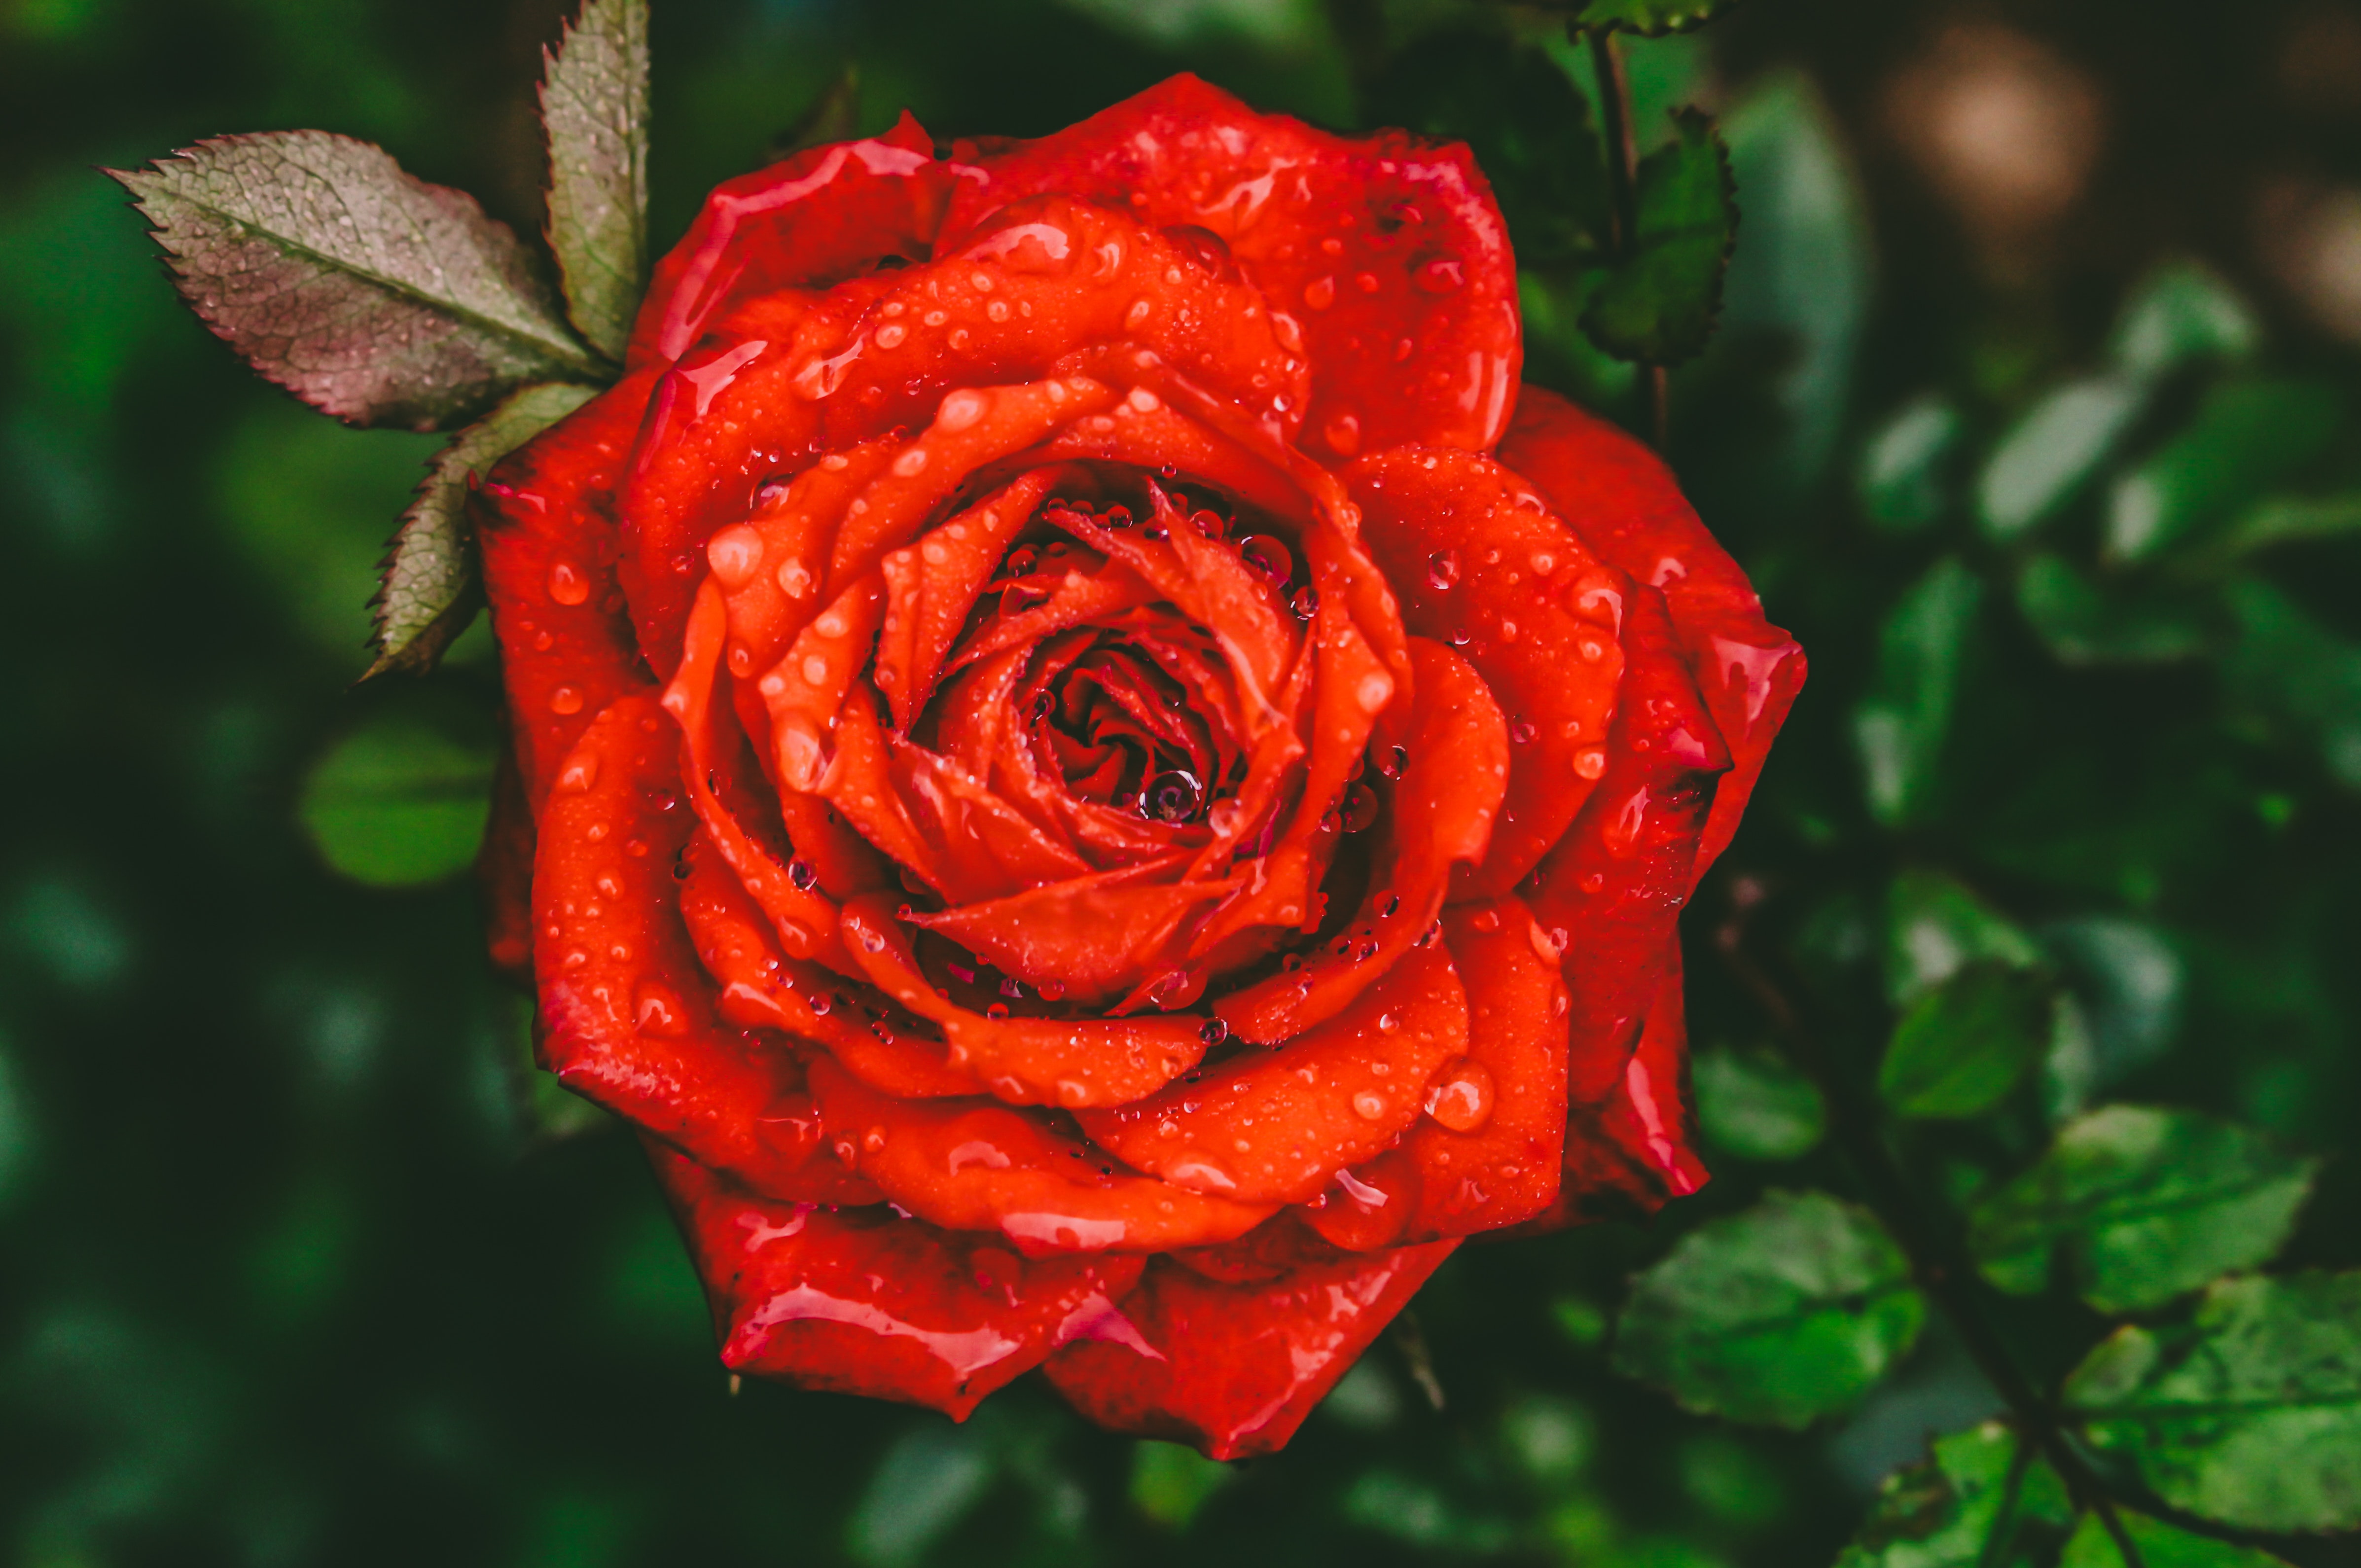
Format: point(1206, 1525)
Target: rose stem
point(1936, 1262)
point(1623, 185)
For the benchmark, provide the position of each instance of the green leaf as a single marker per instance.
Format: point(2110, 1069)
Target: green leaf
point(1658, 303)
point(1900, 728)
point(2249, 1413)
point(544, 1110)
point(2145, 1203)
point(1529, 126)
point(2159, 1545)
point(2126, 978)
point(594, 106)
point(1979, 1502)
point(427, 597)
point(1935, 926)
point(2298, 672)
point(369, 294)
point(2053, 451)
point(2179, 313)
point(1754, 1105)
point(2292, 520)
point(2084, 624)
point(400, 802)
point(2246, 437)
point(1780, 1314)
point(1648, 18)
point(1966, 1043)
point(925, 1484)
point(1171, 1483)
point(1901, 477)
point(833, 114)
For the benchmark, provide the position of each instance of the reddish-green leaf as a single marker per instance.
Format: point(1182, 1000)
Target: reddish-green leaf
point(594, 106)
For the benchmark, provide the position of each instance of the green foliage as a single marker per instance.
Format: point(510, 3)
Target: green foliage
point(1658, 303)
point(369, 294)
point(1756, 1106)
point(1934, 925)
point(427, 595)
point(400, 802)
point(1966, 1043)
point(2053, 451)
point(1782, 1314)
point(2247, 434)
point(1648, 18)
point(2249, 1413)
point(2158, 1544)
point(2181, 313)
point(2145, 1203)
point(1980, 1501)
point(1170, 1483)
point(2087, 622)
point(593, 107)
point(1900, 730)
point(1900, 478)
point(2286, 665)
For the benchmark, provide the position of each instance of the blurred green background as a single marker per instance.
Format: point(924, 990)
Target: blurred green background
point(2032, 412)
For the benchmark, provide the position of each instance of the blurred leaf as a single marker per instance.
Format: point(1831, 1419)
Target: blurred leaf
point(369, 294)
point(1967, 1043)
point(1935, 926)
point(1900, 728)
point(2297, 671)
point(1415, 1511)
point(925, 1484)
point(1754, 1105)
point(2290, 519)
point(1649, 18)
point(1550, 1439)
point(1658, 304)
point(2159, 1545)
point(1804, 271)
point(1780, 1314)
point(2179, 312)
point(2146, 1204)
point(1901, 477)
point(593, 107)
point(1528, 125)
point(2121, 624)
point(1979, 1502)
point(2053, 451)
point(834, 115)
point(398, 802)
point(2247, 435)
point(2249, 1413)
point(2128, 980)
point(426, 598)
point(1170, 1482)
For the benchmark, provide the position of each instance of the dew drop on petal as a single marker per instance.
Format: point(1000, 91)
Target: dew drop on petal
point(567, 585)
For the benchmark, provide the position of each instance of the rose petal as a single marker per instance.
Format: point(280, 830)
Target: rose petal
point(1635, 1146)
point(971, 1165)
point(861, 1302)
point(1068, 1062)
point(932, 586)
point(1445, 803)
point(1622, 500)
point(631, 1021)
point(504, 873)
point(1096, 937)
point(1275, 1126)
point(826, 214)
point(1609, 895)
point(781, 580)
point(1385, 256)
point(1234, 1369)
point(1480, 565)
point(549, 550)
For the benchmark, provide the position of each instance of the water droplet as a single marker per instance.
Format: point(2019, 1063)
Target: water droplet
point(1360, 811)
point(1523, 732)
point(1373, 691)
point(1395, 760)
point(1319, 293)
point(1171, 796)
point(1344, 433)
point(1213, 1032)
point(1267, 556)
point(566, 700)
point(1304, 602)
point(1443, 569)
point(1592, 762)
point(580, 773)
point(1368, 1105)
point(1462, 1097)
point(1440, 276)
point(802, 872)
point(567, 585)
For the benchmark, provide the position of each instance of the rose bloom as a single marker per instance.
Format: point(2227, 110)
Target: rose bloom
point(1098, 777)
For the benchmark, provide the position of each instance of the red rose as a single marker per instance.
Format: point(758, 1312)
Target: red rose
point(1099, 779)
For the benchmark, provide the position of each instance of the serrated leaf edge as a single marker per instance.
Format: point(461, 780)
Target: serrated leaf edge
point(632, 15)
point(1729, 182)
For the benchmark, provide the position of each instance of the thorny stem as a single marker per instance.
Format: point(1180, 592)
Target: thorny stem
point(1623, 186)
point(1935, 1263)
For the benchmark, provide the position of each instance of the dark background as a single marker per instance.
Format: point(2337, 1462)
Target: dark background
point(295, 1268)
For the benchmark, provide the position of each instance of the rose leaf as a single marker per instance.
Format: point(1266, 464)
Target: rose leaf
point(2248, 1412)
point(593, 107)
point(1965, 1044)
point(1658, 304)
point(2146, 1204)
point(1900, 728)
point(1786, 1313)
point(1754, 1105)
point(425, 595)
point(1979, 1499)
point(370, 294)
point(1649, 18)
point(400, 802)
point(833, 114)
point(2159, 1545)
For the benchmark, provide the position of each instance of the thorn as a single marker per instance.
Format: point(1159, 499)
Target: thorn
point(1411, 1340)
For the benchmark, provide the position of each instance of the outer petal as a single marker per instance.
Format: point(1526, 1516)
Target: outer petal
point(859, 1302)
point(1233, 1369)
point(1387, 255)
point(1608, 897)
point(826, 213)
point(1634, 1146)
point(1624, 501)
